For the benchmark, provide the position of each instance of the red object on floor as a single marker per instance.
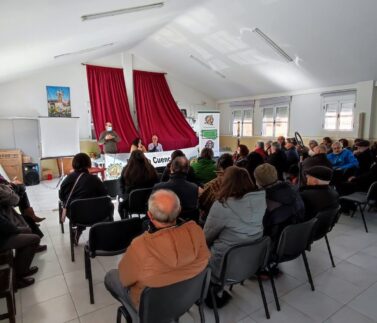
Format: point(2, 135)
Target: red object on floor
point(49, 177)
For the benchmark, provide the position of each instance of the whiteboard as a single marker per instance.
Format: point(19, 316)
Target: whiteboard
point(59, 137)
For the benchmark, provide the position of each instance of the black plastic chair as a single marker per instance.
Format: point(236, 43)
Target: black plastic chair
point(190, 214)
point(177, 299)
point(240, 262)
point(109, 239)
point(112, 187)
point(326, 220)
point(87, 212)
point(138, 201)
point(293, 242)
point(362, 199)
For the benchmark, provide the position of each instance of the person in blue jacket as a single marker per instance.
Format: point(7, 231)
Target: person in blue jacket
point(344, 163)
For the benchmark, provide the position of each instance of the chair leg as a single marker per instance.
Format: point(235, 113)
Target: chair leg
point(119, 315)
point(11, 308)
point(308, 270)
point(90, 280)
point(363, 217)
point(201, 313)
point(329, 249)
point(230, 288)
point(62, 227)
point(263, 297)
point(274, 289)
point(86, 263)
point(215, 310)
point(71, 242)
point(123, 312)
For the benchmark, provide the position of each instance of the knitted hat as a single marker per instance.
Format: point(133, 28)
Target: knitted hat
point(320, 172)
point(265, 175)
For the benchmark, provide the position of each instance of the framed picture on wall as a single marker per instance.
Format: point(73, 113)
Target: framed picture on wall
point(58, 101)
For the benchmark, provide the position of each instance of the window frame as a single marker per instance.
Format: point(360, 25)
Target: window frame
point(242, 110)
point(275, 108)
point(339, 100)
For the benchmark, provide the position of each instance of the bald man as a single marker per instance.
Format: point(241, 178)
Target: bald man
point(168, 253)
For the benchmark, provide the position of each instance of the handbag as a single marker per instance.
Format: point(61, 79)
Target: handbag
point(64, 211)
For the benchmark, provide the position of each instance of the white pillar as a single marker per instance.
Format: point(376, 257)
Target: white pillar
point(127, 64)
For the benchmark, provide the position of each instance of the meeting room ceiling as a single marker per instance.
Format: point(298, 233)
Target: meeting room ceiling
point(213, 46)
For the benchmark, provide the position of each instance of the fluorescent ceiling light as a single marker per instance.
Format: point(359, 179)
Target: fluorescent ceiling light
point(208, 67)
point(273, 45)
point(83, 51)
point(121, 11)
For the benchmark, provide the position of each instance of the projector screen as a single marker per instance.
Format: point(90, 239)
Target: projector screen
point(59, 137)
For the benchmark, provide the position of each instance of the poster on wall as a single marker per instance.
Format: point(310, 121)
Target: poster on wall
point(209, 129)
point(58, 101)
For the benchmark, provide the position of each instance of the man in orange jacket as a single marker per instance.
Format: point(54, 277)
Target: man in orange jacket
point(168, 253)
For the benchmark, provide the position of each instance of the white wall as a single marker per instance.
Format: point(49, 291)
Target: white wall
point(27, 97)
point(306, 112)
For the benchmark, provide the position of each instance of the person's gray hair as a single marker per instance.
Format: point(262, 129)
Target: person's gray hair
point(268, 143)
point(337, 144)
point(260, 144)
point(322, 148)
point(159, 208)
point(313, 142)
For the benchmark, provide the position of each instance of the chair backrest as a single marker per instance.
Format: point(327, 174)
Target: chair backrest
point(138, 200)
point(91, 210)
point(113, 238)
point(294, 240)
point(112, 187)
point(326, 220)
point(372, 192)
point(243, 260)
point(165, 304)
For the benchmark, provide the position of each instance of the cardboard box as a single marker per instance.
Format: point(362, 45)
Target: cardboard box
point(11, 161)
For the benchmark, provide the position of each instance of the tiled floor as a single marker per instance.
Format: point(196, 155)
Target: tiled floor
point(345, 294)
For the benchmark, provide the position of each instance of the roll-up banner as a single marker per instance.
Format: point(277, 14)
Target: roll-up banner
point(209, 130)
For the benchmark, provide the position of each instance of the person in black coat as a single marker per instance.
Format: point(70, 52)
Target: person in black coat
point(364, 156)
point(16, 234)
point(284, 204)
point(317, 194)
point(87, 186)
point(166, 173)
point(278, 159)
point(291, 153)
point(187, 192)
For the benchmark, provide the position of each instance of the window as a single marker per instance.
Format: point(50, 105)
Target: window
point(242, 123)
point(339, 111)
point(275, 121)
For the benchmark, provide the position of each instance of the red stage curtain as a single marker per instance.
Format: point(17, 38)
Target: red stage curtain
point(108, 100)
point(157, 113)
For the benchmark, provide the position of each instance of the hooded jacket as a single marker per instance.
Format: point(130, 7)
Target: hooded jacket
point(234, 221)
point(162, 258)
point(204, 169)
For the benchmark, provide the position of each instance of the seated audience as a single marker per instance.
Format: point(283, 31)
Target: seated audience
point(317, 194)
point(240, 155)
point(186, 191)
point(344, 143)
point(312, 144)
point(343, 163)
point(291, 153)
point(80, 185)
point(281, 141)
point(166, 173)
point(24, 205)
point(278, 159)
point(138, 173)
point(209, 194)
point(236, 216)
point(373, 149)
point(267, 147)
point(360, 183)
point(166, 254)
point(318, 159)
point(137, 145)
point(259, 149)
point(328, 143)
point(154, 146)
point(284, 204)
point(253, 161)
point(355, 142)
point(205, 166)
point(16, 234)
point(364, 156)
